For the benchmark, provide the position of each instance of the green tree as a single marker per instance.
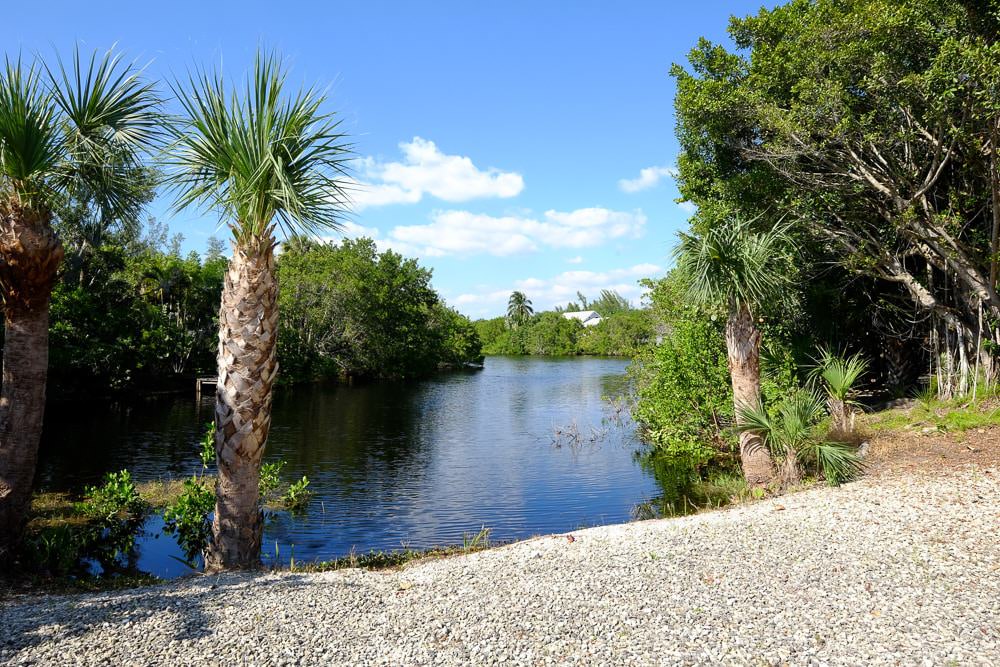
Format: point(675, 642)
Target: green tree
point(739, 268)
point(519, 309)
point(78, 133)
point(262, 160)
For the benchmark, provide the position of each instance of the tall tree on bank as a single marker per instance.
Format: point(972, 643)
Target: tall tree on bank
point(79, 133)
point(733, 265)
point(262, 160)
point(519, 309)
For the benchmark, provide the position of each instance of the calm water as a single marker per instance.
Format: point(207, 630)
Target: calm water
point(418, 464)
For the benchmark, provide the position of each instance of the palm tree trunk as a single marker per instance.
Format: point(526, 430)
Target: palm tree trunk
point(248, 364)
point(743, 347)
point(30, 254)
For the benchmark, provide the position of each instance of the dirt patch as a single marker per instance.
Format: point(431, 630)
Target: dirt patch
point(929, 449)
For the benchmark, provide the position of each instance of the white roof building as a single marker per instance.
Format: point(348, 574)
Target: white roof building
point(588, 318)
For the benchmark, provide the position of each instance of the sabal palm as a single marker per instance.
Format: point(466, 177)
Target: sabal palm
point(838, 375)
point(736, 266)
point(795, 434)
point(519, 309)
point(78, 132)
point(263, 160)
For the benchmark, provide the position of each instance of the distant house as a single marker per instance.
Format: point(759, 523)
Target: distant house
point(587, 318)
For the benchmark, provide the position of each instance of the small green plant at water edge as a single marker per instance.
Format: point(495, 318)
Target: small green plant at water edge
point(480, 540)
point(117, 497)
point(187, 518)
point(207, 453)
point(270, 478)
point(298, 495)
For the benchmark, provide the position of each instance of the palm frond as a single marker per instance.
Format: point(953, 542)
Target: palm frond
point(30, 141)
point(258, 157)
point(734, 263)
point(110, 120)
point(838, 374)
point(839, 461)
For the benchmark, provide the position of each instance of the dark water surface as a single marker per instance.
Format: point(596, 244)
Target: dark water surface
point(419, 464)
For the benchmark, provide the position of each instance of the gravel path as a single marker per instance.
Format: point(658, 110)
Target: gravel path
point(896, 569)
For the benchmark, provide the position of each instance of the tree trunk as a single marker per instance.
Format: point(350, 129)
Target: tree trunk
point(248, 364)
point(743, 347)
point(30, 254)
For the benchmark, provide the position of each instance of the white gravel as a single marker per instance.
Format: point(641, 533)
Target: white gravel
point(894, 570)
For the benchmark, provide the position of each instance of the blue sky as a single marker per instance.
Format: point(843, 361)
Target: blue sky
point(514, 145)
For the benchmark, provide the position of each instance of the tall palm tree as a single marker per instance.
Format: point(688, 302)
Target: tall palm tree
point(519, 309)
point(77, 132)
point(735, 266)
point(264, 161)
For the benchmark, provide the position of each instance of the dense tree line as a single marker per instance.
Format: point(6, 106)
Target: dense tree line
point(843, 161)
point(623, 330)
point(350, 310)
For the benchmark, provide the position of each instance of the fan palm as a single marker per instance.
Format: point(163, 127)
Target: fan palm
point(838, 375)
point(735, 266)
point(265, 161)
point(794, 436)
point(519, 309)
point(78, 132)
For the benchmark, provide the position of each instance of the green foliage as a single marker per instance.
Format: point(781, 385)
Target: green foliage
point(187, 518)
point(684, 395)
point(297, 496)
point(207, 452)
point(116, 498)
point(837, 374)
point(621, 334)
point(348, 309)
point(78, 131)
point(270, 478)
point(519, 310)
point(797, 429)
point(257, 155)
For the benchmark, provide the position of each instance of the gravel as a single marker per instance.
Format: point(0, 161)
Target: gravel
point(895, 569)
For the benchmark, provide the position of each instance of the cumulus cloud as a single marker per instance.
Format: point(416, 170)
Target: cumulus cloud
point(559, 290)
point(462, 232)
point(648, 178)
point(425, 170)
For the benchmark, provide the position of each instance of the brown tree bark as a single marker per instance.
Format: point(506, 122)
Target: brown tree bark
point(30, 254)
point(248, 328)
point(743, 347)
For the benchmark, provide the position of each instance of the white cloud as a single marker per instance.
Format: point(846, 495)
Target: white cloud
point(575, 260)
point(426, 170)
point(688, 207)
point(648, 178)
point(462, 232)
point(559, 290)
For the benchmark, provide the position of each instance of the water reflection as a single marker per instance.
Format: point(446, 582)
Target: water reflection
point(417, 464)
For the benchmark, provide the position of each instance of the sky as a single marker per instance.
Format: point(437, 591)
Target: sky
point(512, 145)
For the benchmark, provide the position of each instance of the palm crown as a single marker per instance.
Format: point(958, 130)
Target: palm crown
point(259, 158)
point(519, 308)
point(735, 265)
point(79, 131)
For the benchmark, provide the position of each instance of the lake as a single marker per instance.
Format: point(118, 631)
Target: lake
point(524, 446)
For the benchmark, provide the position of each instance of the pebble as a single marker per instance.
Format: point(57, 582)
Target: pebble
point(894, 569)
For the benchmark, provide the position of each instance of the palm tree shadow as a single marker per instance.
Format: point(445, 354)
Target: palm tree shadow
point(188, 608)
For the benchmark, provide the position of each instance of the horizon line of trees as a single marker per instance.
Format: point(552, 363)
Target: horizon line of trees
point(622, 331)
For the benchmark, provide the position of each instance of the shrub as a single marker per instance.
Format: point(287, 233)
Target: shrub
point(187, 518)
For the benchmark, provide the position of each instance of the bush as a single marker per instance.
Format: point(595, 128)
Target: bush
point(187, 518)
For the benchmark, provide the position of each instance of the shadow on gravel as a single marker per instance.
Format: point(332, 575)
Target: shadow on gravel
point(187, 611)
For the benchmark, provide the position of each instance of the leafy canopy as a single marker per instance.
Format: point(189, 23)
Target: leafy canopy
point(259, 158)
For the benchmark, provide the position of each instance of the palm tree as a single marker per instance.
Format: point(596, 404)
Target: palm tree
point(795, 434)
point(519, 309)
point(838, 375)
point(741, 269)
point(263, 160)
point(76, 134)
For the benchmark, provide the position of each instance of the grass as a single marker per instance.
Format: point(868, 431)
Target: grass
point(384, 560)
point(954, 415)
